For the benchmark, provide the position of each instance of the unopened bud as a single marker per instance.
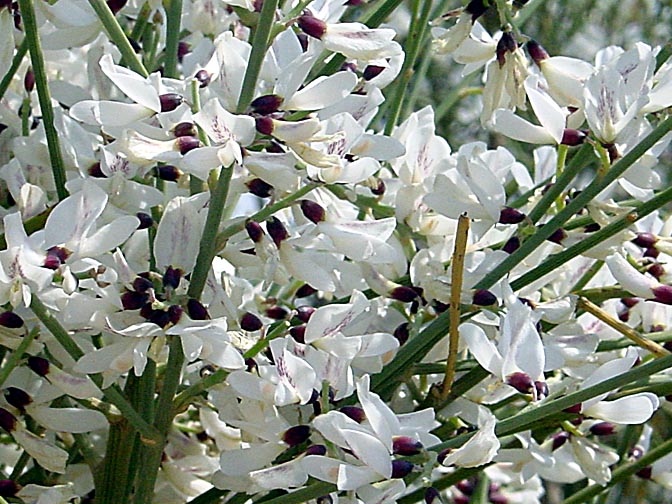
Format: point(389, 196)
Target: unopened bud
point(132, 300)
point(266, 104)
point(145, 219)
point(187, 143)
point(510, 215)
point(250, 322)
point(663, 294)
point(38, 365)
point(277, 312)
point(303, 313)
point(29, 80)
point(264, 125)
point(312, 26)
point(520, 381)
point(168, 172)
point(259, 188)
point(536, 51)
point(277, 230)
point(559, 439)
point(185, 128)
point(656, 270)
point(511, 245)
point(296, 435)
point(196, 310)
point(172, 277)
point(483, 297)
point(312, 211)
point(298, 333)
point(18, 398)
point(401, 468)
point(651, 252)
point(7, 420)
point(466, 486)
point(170, 101)
point(405, 445)
point(304, 291)
point(203, 78)
point(10, 320)
point(573, 137)
point(603, 429)
point(645, 240)
point(372, 71)
point(354, 412)
point(254, 231)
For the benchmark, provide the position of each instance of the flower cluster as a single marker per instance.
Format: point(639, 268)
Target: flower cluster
point(232, 265)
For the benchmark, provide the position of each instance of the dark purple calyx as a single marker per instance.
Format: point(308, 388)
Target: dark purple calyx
point(172, 277)
point(10, 320)
point(145, 219)
point(354, 412)
point(196, 310)
point(185, 128)
point(313, 211)
point(170, 101)
point(603, 429)
point(536, 51)
point(406, 445)
point(203, 78)
point(39, 365)
point(254, 231)
point(277, 230)
point(510, 215)
point(259, 188)
point(187, 143)
point(312, 26)
point(250, 322)
point(266, 104)
point(296, 435)
point(18, 398)
point(483, 297)
point(401, 468)
point(521, 382)
point(573, 137)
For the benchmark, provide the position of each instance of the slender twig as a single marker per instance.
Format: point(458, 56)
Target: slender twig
point(14, 358)
point(44, 97)
point(174, 16)
point(624, 329)
point(16, 63)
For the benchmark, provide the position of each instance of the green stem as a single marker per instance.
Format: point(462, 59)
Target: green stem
point(556, 260)
point(152, 454)
point(260, 41)
point(44, 97)
point(622, 473)
point(581, 200)
point(117, 36)
point(174, 16)
point(16, 63)
point(414, 42)
point(17, 354)
point(208, 249)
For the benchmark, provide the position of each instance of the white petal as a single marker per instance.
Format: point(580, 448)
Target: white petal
point(509, 124)
point(370, 450)
point(630, 279)
point(47, 455)
point(79, 387)
point(109, 113)
point(288, 475)
point(482, 348)
point(634, 409)
point(550, 115)
point(134, 85)
point(323, 92)
point(69, 419)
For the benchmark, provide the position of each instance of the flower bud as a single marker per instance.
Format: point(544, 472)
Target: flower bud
point(511, 245)
point(116, 5)
point(266, 104)
point(656, 270)
point(558, 236)
point(145, 219)
point(203, 78)
point(254, 231)
point(404, 294)
point(466, 486)
point(250, 322)
point(170, 101)
point(277, 230)
point(510, 215)
point(304, 291)
point(39, 365)
point(401, 468)
point(29, 80)
point(132, 300)
point(316, 450)
point(172, 277)
point(259, 188)
point(277, 312)
point(296, 435)
point(10, 320)
point(573, 137)
point(312, 26)
point(18, 398)
point(603, 429)
point(7, 420)
point(536, 51)
point(483, 297)
point(8, 488)
point(507, 43)
point(402, 332)
point(354, 412)
point(185, 128)
point(312, 211)
point(372, 71)
point(298, 333)
point(187, 143)
point(559, 439)
point(405, 445)
point(652, 252)
point(303, 313)
point(520, 381)
point(168, 172)
point(196, 310)
point(264, 125)
point(663, 294)
point(432, 496)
